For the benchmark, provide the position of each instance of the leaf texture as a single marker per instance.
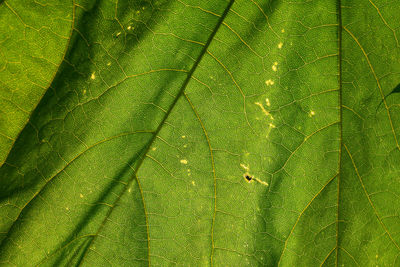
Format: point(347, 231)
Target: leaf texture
point(199, 133)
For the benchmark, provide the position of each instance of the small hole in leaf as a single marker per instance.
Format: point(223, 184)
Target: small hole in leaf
point(248, 177)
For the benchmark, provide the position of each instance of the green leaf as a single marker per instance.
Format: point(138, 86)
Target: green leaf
point(199, 133)
point(396, 90)
point(34, 37)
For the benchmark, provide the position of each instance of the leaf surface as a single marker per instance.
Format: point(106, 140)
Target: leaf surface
point(34, 38)
point(203, 133)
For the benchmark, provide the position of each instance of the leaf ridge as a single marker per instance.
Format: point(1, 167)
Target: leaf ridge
point(160, 126)
point(63, 168)
point(369, 199)
point(50, 81)
point(214, 176)
point(340, 85)
point(301, 214)
point(377, 82)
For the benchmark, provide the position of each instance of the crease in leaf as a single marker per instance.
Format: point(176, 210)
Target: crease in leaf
point(396, 90)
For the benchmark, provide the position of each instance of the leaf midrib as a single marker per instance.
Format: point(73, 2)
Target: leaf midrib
point(340, 48)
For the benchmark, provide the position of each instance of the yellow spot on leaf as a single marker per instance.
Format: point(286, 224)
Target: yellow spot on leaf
point(280, 45)
point(93, 76)
point(312, 113)
point(244, 166)
point(260, 181)
point(267, 102)
point(184, 161)
point(264, 110)
point(80, 195)
point(269, 82)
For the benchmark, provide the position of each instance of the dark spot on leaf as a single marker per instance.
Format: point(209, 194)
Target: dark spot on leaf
point(248, 177)
point(394, 91)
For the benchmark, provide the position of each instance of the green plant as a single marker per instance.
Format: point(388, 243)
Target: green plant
point(198, 133)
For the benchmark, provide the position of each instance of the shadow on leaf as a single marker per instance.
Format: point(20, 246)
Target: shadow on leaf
point(394, 91)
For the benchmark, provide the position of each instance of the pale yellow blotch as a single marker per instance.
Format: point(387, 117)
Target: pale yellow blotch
point(93, 76)
point(154, 148)
point(109, 64)
point(271, 126)
point(280, 45)
point(184, 161)
point(244, 166)
point(283, 30)
point(264, 110)
point(274, 68)
point(129, 27)
point(267, 102)
point(312, 113)
point(118, 34)
point(268, 115)
point(185, 145)
point(193, 183)
point(260, 181)
point(129, 190)
point(67, 208)
point(84, 91)
point(80, 195)
point(269, 82)
point(183, 136)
